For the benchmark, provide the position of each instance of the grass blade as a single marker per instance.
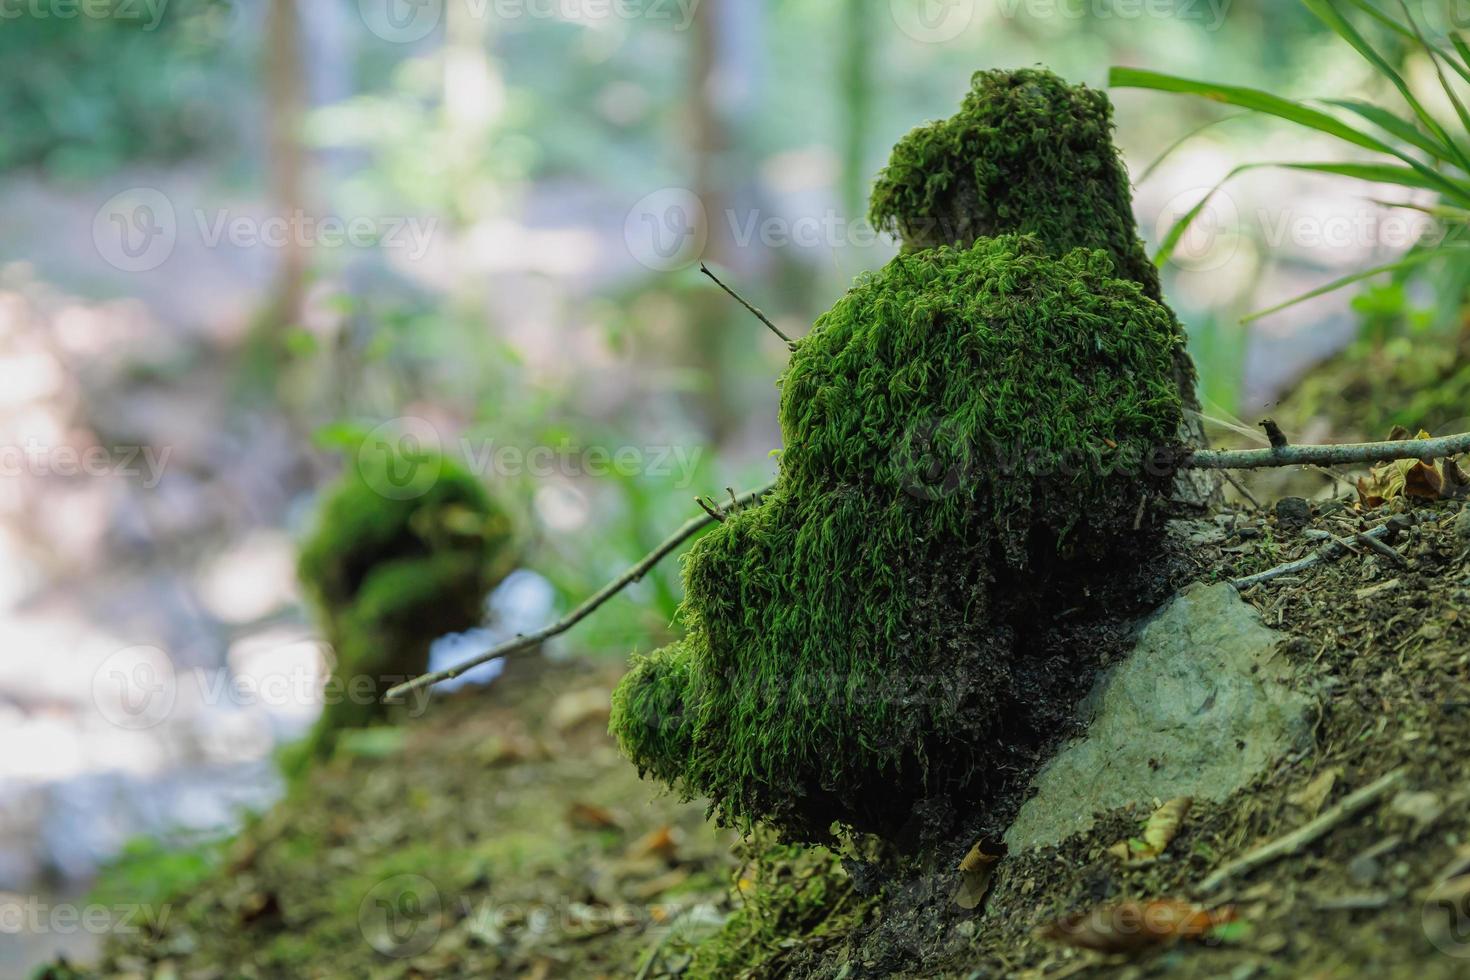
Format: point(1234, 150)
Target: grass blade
point(1395, 126)
point(1410, 261)
point(1169, 150)
point(1248, 98)
point(1344, 29)
point(1273, 105)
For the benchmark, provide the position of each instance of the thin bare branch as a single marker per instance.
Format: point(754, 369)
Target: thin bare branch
point(739, 299)
point(528, 640)
point(1360, 452)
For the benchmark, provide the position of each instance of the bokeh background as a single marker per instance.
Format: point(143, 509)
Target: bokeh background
point(237, 236)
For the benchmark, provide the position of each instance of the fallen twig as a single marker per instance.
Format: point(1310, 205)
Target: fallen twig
point(739, 299)
point(1359, 452)
point(528, 640)
point(1382, 549)
point(1234, 482)
point(1304, 835)
point(1333, 549)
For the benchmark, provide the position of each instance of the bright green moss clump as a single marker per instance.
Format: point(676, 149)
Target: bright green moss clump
point(405, 550)
point(963, 428)
point(1026, 154)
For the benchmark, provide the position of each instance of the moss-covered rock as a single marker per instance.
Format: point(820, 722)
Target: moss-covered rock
point(405, 549)
point(1029, 154)
point(1026, 154)
point(964, 430)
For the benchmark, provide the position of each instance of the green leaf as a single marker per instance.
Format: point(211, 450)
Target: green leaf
point(1265, 102)
point(1344, 29)
point(1248, 98)
point(1410, 261)
point(1384, 173)
point(1169, 150)
point(1392, 124)
point(1444, 83)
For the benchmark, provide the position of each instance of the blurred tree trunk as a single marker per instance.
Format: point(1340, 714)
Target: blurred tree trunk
point(285, 111)
point(857, 102)
point(709, 142)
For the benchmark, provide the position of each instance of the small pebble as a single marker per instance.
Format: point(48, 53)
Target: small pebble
point(1293, 513)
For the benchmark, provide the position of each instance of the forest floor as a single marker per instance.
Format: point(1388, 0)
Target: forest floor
point(502, 835)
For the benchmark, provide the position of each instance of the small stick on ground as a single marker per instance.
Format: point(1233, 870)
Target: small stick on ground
point(1304, 835)
point(1333, 549)
point(1231, 479)
point(529, 640)
point(758, 314)
point(1383, 549)
point(1359, 452)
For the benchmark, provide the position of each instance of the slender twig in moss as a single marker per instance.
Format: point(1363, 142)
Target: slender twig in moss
point(1358, 452)
point(708, 506)
point(527, 641)
point(758, 314)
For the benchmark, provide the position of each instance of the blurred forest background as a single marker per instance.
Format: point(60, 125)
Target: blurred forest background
point(238, 237)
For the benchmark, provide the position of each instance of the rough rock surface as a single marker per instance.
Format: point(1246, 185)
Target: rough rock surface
point(1199, 707)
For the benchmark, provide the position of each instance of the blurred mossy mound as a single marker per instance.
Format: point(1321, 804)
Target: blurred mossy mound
point(966, 441)
point(1026, 154)
point(405, 550)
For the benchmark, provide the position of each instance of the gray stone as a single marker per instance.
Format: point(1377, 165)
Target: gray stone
point(1201, 705)
point(1462, 523)
point(1293, 514)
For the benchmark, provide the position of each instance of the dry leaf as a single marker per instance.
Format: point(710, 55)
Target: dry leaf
point(1420, 479)
point(1309, 798)
point(976, 871)
point(659, 843)
point(1129, 927)
point(587, 816)
point(1157, 833)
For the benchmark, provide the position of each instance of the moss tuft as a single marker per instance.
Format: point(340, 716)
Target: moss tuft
point(1026, 154)
point(962, 428)
point(392, 566)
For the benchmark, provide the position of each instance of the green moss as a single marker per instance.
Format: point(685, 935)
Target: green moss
point(1026, 154)
point(787, 896)
point(394, 563)
point(962, 428)
point(652, 725)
